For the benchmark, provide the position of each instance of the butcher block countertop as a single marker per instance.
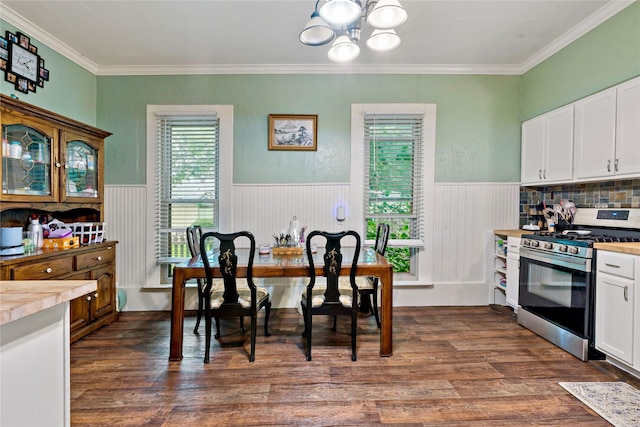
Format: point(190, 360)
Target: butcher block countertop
point(21, 298)
point(623, 247)
point(512, 233)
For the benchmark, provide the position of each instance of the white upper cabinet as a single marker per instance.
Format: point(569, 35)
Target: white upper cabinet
point(607, 133)
point(627, 161)
point(595, 135)
point(547, 147)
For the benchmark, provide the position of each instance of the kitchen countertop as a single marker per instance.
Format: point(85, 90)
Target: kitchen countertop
point(21, 298)
point(512, 233)
point(623, 247)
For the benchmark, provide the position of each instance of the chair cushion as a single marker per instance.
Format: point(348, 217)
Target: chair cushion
point(363, 282)
point(317, 299)
point(244, 295)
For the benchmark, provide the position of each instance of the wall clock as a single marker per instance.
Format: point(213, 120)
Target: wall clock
point(21, 63)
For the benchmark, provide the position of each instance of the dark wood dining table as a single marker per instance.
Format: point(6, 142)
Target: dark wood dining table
point(370, 263)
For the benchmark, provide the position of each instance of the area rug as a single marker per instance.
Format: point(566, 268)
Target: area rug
point(616, 402)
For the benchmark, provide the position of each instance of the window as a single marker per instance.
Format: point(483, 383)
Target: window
point(392, 151)
point(188, 179)
point(393, 184)
point(188, 148)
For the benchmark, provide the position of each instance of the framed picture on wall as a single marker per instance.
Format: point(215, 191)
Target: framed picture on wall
point(293, 132)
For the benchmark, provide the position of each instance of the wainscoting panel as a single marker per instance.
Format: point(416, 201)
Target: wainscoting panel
point(463, 213)
point(126, 218)
point(268, 209)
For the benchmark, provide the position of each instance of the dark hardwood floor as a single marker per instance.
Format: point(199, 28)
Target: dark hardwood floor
point(452, 366)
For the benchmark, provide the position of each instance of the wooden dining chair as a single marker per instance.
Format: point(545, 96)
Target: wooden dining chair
point(329, 299)
point(194, 234)
point(232, 300)
point(368, 285)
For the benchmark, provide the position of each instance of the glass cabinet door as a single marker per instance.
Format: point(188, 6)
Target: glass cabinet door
point(81, 169)
point(26, 161)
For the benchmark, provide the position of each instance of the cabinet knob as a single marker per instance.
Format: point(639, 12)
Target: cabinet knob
point(99, 258)
point(95, 295)
point(48, 270)
point(88, 297)
point(58, 164)
point(66, 166)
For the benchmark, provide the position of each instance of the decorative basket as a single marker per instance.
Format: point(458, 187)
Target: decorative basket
point(89, 232)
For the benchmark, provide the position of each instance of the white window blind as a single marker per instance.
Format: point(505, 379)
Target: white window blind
point(188, 181)
point(394, 175)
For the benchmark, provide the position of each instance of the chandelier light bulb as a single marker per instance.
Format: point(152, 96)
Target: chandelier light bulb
point(387, 14)
point(339, 13)
point(316, 32)
point(383, 40)
point(343, 49)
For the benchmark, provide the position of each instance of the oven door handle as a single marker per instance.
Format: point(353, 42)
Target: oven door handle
point(566, 261)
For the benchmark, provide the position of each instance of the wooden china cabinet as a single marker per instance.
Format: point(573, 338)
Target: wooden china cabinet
point(54, 165)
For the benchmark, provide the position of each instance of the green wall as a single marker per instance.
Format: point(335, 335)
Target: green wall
point(604, 57)
point(478, 127)
point(70, 91)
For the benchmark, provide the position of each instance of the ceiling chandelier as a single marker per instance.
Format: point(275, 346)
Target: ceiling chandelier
point(343, 18)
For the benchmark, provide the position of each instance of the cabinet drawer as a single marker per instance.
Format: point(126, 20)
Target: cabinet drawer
point(43, 270)
point(616, 264)
point(94, 259)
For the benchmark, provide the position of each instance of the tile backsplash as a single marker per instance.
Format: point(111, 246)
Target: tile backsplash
point(605, 194)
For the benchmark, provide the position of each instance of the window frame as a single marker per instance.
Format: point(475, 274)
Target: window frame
point(154, 276)
point(424, 257)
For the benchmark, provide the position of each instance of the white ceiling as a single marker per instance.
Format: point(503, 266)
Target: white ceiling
point(116, 37)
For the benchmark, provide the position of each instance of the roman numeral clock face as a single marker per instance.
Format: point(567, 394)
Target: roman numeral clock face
point(21, 63)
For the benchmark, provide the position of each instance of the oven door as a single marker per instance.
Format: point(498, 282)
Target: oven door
point(557, 288)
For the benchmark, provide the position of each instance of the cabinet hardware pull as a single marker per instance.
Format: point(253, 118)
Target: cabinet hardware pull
point(609, 165)
point(611, 265)
point(99, 258)
point(626, 293)
point(48, 270)
point(544, 173)
point(615, 165)
point(539, 173)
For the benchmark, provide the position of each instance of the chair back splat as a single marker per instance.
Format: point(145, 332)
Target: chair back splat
point(331, 300)
point(232, 300)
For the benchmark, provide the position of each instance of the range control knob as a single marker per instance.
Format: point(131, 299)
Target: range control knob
point(573, 250)
point(547, 245)
point(535, 243)
point(562, 248)
point(526, 242)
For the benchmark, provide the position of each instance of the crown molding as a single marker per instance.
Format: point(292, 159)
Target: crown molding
point(305, 69)
point(604, 13)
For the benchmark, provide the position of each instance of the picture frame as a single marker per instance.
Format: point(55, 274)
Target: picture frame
point(293, 132)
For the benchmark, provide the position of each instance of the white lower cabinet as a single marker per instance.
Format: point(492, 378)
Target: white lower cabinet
point(617, 313)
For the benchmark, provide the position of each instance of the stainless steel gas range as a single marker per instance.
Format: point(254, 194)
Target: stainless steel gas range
point(557, 277)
